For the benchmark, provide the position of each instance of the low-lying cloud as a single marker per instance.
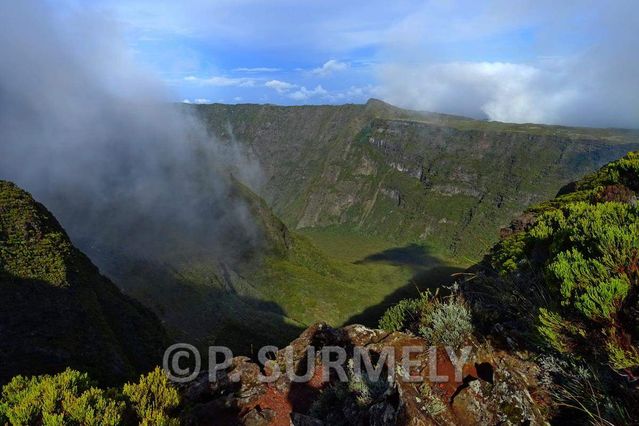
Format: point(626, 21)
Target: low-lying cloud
point(93, 137)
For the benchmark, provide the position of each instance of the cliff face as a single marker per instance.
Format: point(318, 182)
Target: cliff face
point(57, 310)
point(445, 181)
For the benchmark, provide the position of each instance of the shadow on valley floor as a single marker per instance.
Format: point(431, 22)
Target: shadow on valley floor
point(413, 256)
point(429, 273)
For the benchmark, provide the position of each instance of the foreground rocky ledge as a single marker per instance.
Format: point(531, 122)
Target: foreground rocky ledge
point(496, 388)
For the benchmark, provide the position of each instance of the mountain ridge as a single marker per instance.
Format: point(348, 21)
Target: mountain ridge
point(350, 165)
point(57, 310)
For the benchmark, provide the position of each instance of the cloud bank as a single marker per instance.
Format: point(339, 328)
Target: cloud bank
point(87, 131)
point(594, 84)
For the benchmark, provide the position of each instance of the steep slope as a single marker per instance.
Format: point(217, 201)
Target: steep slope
point(565, 277)
point(237, 293)
point(442, 181)
point(561, 289)
point(56, 310)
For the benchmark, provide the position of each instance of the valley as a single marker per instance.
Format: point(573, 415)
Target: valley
point(357, 207)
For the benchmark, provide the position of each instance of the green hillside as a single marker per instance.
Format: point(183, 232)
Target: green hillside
point(562, 288)
point(266, 294)
point(56, 310)
point(375, 203)
point(408, 177)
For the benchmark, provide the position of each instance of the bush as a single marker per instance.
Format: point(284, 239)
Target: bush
point(591, 398)
point(446, 323)
point(591, 268)
point(153, 398)
point(69, 398)
point(433, 405)
point(400, 316)
point(569, 279)
point(358, 393)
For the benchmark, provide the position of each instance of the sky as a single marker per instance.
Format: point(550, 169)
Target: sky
point(569, 62)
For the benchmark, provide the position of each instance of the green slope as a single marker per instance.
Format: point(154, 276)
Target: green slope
point(266, 294)
point(561, 288)
point(408, 177)
point(56, 310)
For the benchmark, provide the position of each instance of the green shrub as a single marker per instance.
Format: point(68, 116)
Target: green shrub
point(153, 398)
point(557, 332)
point(359, 392)
point(446, 323)
point(569, 279)
point(363, 388)
point(71, 398)
point(399, 316)
point(67, 398)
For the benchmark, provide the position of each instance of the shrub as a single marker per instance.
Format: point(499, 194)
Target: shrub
point(359, 392)
point(580, 258)
point(590, 266)
point(446, 323)
point(363, 388)
point(583, 389)
point(66, 398)
point(153, 398)
point(71, 398)
point(400, 316)
point(557, 332)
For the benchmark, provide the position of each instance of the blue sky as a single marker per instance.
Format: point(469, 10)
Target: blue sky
point(508, 60)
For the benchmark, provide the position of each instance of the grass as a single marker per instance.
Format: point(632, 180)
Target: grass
point(328, 278)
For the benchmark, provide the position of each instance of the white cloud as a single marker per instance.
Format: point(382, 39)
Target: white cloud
point(355, 94)
point(303, 93)
point(197, 101)
point(257, 70)
point(330, 67)
point(280, 86)
point(499, 91)
point(576, 91)
point(582, 69)
point(222, 81)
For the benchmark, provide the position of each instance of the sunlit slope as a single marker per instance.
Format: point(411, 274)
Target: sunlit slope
point(444, 181)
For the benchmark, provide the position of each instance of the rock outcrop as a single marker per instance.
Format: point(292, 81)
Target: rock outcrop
point(495, 387)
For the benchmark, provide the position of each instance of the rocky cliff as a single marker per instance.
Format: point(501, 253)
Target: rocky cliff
point(445, 181)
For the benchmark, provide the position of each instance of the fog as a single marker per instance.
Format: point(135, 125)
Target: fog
point(91, 135)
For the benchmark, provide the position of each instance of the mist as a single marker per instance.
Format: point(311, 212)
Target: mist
point(92, 135)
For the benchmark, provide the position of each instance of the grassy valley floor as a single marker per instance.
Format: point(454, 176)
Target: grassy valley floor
point(340, 276)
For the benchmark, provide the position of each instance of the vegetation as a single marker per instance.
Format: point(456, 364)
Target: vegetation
point(57, 310)
point(563, 282)
point(446, 323)
point(441, 321)
point(587, 256)
point(402, 315)
point(66, 398)
point(359, 392)
point(432, 404)
point(568, 279)
point(71, 398)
